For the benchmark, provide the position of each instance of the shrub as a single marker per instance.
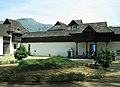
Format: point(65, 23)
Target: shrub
point(6, 76)
point(14, 77)
point(37, 77)
point(76, 76)
point(1, 62)
point(19, 77)
point(23, 63)
point(21, 52)
point(58, 77)
point(104, 58)
point(12, 62)
point(65, 77)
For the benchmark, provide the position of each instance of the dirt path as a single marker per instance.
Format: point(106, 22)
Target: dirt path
point(6, 67)
point(112, 79)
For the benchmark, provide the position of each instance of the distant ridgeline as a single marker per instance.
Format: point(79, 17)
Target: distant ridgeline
point(1, 22)
point(32, 25)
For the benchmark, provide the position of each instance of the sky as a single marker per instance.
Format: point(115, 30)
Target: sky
point(51, 11)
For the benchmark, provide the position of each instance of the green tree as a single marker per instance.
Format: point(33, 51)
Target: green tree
point(104, 58)
point(21, 52)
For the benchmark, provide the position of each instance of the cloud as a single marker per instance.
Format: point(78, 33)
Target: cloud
point(50, 11)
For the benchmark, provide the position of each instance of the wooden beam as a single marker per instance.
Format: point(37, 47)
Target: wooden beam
point(76, 48)
point(96, 48)
point(86, 49)
point(107, 44)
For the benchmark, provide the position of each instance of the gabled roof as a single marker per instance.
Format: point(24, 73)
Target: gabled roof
point(80, 30)
point(58, 26)
point(100, 27)
point(15, 25)
point(3, 30)
point(116, 30)
point(45, 34)
point(78, 22)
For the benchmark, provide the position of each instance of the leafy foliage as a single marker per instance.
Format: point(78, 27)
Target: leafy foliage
point(38, 77)
point(65, 77)
point(41, 77)
point(104, 58)
point(21, 52)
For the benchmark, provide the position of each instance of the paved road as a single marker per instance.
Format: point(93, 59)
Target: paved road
point(7, 58)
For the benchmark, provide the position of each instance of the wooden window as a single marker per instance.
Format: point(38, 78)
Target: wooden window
point(118, 52)
point(73, 27)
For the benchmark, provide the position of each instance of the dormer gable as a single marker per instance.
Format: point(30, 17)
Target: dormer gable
point(88, 29)
point(58, 23)
point(77, 22)
point(7, 21)
point(13, 25)
point(58, 26)
point(18, 29)
point(74, 24)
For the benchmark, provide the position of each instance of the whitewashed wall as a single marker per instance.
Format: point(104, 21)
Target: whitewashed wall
point(11, 46)
point(81, 48)
point(17, 45)
point(114, 46)
point(1, 45)
point(53, 49)
point(61, 48)
point(101, 45)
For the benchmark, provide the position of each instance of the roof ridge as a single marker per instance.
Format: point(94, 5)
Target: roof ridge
point(61, 23)
point(95, 22)
point(114, 26)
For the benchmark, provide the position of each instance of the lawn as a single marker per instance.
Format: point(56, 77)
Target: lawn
point(54, 67)
point(110, 80)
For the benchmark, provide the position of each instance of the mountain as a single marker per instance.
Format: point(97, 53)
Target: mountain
point(33, 26)
point(1, 22)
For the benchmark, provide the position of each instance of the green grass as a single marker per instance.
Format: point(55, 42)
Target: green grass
point(46, 64)
point(22, 72)
point(30, 61)
point(8, 62)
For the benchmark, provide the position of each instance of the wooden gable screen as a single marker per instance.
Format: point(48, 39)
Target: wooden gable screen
point(88, 34)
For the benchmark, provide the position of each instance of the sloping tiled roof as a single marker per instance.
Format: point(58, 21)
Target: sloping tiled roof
point(80, 30)
point(16, 26)
point(58, 26)
point(79, 22)
point(3, 30)
point(116, 30)
point(46, 34)
point(100, 27)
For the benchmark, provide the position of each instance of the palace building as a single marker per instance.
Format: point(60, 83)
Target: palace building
point(78, 37)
